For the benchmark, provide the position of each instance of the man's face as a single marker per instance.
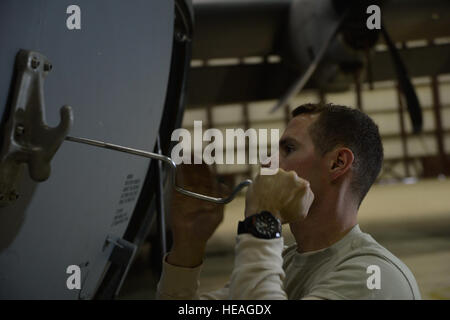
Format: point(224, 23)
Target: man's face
point(297, 152)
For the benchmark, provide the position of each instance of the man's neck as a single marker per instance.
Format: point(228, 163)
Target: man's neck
point(326, 223)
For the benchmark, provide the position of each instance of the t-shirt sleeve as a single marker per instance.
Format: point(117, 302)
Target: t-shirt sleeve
point(258, 269)
point(257, 274)
point(178, 283)
point(367, 277)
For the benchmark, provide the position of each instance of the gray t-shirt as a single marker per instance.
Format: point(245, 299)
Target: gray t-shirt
point(355, 267)
point(265, 269)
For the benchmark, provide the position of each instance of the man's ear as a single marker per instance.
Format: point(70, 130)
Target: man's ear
point(340, 162)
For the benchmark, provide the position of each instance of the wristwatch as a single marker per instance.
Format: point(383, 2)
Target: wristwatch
point(262, 225)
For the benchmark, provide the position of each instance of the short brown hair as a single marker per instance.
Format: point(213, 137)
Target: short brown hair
point(343, 126)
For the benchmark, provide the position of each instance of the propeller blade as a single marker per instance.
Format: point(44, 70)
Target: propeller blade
point(407, 89)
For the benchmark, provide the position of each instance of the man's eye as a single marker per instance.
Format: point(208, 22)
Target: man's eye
point(288, 149)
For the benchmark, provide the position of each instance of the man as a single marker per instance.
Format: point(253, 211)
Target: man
point(329, 157)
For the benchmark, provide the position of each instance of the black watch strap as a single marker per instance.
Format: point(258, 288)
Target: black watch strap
point(262, 225)
point(244, 226)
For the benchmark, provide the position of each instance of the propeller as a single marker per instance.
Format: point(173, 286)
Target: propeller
point(406, 87)
point(355, 33)
point(298, 85)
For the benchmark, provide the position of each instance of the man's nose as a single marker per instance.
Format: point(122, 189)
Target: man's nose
point(281, 163)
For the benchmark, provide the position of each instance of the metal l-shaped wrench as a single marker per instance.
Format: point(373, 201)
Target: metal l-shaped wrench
point(168, 160)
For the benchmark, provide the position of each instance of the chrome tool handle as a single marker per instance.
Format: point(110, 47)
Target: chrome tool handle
point(167, 160)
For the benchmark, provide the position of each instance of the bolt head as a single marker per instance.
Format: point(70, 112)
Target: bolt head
point(48, 67)
point(20, 130)
point(35, 63)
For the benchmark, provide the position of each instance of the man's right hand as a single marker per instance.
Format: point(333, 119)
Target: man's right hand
point(284, 194)
point(193, 221)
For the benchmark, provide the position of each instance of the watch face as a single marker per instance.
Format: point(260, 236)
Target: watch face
point(267, 226)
